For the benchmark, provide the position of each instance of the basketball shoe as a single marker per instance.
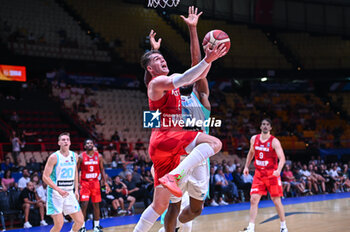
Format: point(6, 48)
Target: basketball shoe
point(170, 182)
point(284, 230)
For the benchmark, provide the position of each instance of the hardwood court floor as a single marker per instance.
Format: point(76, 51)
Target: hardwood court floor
point(320, 213)
point(320, 216)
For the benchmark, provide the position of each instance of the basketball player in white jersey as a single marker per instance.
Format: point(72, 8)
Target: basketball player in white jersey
point(195, 104)
point(60, 174)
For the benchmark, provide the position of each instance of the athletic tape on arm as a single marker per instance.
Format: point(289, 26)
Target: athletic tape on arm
point(190, 75)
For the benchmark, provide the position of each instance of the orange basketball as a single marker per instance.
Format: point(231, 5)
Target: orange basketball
point(215, 37)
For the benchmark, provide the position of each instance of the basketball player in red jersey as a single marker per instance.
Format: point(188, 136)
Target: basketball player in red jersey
point(267, 150)
point(168, 143)
point(90, 163)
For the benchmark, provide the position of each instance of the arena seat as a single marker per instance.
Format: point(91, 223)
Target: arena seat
point(46, 30)
point(318, 52)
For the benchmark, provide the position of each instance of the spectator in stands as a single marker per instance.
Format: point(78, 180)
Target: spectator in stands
point(42, 192)
point(346, 173)
point(212, 186)
point(228, 175)
point(8, 182)
point(288, 176)
point(124, 147)
point(16, 147)
point(7, 165)
point(147, 184)
point(306, 176)
point(225, 187)
point(231, 166)
point(134, 188)
point(122, 194)
point(333, 173)
point(130, 156)
point(136, 176)
point(319, 179)
point(122, 174)
point(238, 180)
point(110, 199)
point(325, 174)
point(116, 163)
point(139, 145)
point(115, 137)
point(33, 165)
point(31, 200)
point(35, 180)
point(22, 182)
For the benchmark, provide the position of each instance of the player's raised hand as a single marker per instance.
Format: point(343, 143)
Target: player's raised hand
point(63, 193)
point(246, 171)
point(193, 16)
point(155, 45)
point(215, 53)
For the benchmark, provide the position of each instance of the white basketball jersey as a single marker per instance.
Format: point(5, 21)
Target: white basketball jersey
point(63, 174)
point(192, 108)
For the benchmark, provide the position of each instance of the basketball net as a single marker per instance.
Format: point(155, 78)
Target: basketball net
point(163, 3)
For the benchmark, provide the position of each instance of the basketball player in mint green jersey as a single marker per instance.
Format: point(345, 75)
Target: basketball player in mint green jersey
point(60, 174)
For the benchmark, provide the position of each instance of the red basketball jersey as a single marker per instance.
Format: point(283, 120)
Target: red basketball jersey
point(170, 107)
point(265, 154)
point(90, 167)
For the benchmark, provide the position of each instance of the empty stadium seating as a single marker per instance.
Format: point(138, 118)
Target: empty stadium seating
point(250, 48)
point(130, 24)
point(37, 25)
point(318, 52)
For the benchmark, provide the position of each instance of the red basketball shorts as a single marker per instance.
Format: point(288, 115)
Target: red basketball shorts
point(90, 189)
point(166, 147)
point(265, 181)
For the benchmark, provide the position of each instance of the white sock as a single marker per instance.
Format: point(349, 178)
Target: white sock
point(187, 227)
point(251, 226)
point(96, 223)
point(148, 218)
point(83, 224)
point(197, 155)
point(283, 224)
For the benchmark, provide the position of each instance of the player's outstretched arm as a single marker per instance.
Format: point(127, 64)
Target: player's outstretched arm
point(250, 156)
point(201, 87)
point(192, 21)
point(51, 162)
point(164, 83)
point(280, 154)
point(155, 45)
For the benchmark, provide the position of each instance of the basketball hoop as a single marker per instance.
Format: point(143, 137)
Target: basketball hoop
point(163, 3)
